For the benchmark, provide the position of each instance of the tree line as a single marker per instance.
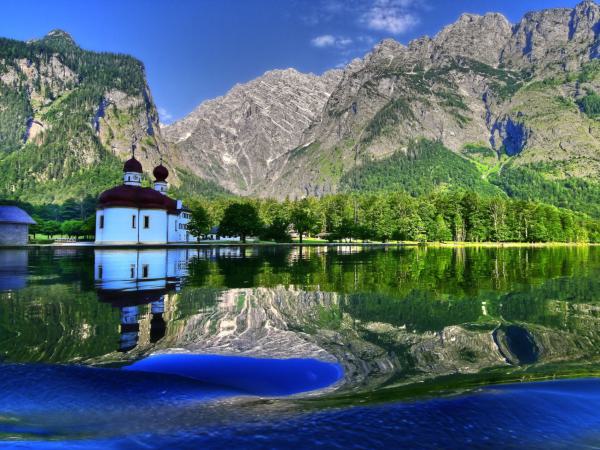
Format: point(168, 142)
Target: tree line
point(73, 218)
point(385, 216)
point(460, 215)
point(72, 228)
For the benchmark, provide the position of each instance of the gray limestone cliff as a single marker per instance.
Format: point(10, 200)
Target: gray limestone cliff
point(513, 89)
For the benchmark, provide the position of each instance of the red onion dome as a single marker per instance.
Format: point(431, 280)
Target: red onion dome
point(132, 165)
point(136, 197)
point(160, 173)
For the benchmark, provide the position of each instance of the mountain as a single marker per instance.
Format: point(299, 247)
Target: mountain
point(499, 108)
point(233, 139)
point(68, 118)
point(513, 101)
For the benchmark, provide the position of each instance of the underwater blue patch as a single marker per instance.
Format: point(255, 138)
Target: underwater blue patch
point(254, 376)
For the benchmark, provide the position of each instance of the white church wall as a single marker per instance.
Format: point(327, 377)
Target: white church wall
point(156, 233)
point(117, 226)
point(173, 221)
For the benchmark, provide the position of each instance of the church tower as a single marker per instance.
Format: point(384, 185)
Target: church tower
point(160, 182)
point(132, 170)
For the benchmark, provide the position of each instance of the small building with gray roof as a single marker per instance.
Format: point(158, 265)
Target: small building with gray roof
point(14, 225)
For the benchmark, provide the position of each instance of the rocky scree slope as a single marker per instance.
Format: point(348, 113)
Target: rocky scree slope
point(234, 139)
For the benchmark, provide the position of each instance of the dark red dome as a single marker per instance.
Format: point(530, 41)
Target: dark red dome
point(136, 197)
point(132, 165)
point(160, 173)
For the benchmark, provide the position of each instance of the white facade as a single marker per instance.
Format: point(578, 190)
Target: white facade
point(126, 225)
point(132, 215)
point(177, 227)
point(214, 235)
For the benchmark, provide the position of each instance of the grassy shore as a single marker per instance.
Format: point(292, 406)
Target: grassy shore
point(448, 243)
point(511, 244)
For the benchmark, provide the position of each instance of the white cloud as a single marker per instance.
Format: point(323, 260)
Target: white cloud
point(393, 16)
point(164, 115)
point(328, 40)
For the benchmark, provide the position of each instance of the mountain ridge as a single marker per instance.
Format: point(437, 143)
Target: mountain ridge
point(464, 86)
point(511, 100)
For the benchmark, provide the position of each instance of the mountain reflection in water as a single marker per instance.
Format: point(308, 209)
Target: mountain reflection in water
point(415, 321)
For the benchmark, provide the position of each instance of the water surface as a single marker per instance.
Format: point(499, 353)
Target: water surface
point(203, 346)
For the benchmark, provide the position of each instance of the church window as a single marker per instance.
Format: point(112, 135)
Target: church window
point(99, 272)
point(132, 271)
point(145, 270)
point(146, 221)
point(101, 224)
point(132, 221)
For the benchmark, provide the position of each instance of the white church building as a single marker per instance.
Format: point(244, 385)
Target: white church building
point(132, 214)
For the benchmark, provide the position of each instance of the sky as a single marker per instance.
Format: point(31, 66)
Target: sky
point(195, 50)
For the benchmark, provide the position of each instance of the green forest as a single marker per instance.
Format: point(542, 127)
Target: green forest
point(423, 168)
point(56, 167)
point(428, 166)
point(459, 215)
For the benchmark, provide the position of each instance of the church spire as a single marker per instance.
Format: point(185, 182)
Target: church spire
point(160, 173)
point(132, 170)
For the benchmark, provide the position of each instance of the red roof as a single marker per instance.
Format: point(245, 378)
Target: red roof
point(136, 197)
point(132, 165)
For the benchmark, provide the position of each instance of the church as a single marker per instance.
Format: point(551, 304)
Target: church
point(132, 214)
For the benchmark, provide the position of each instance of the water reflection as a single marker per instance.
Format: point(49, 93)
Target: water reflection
point(132, 279)
point(388, 315)
point(13, 269)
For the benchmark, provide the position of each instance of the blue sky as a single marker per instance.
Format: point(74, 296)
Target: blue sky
point(195, 50)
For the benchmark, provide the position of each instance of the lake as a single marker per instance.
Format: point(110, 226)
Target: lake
point(278, 346)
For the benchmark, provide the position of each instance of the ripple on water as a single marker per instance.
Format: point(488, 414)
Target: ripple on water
point(559, 414)
point(54, 401)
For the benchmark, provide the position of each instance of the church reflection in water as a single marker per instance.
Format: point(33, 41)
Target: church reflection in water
point(133, 279)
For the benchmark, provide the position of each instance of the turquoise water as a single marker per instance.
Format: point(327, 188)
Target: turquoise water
point(278, 346)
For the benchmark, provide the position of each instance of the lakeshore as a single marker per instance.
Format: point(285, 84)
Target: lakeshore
point(311, 243)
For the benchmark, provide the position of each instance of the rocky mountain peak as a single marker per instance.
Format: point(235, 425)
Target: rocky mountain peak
point(289, 133)
point(235, 139)
point(289, 72)
point(554, 39)
point(585, 19)
point(388, 45)
point(58, 35)
point(477, 37)
point(385, 50)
